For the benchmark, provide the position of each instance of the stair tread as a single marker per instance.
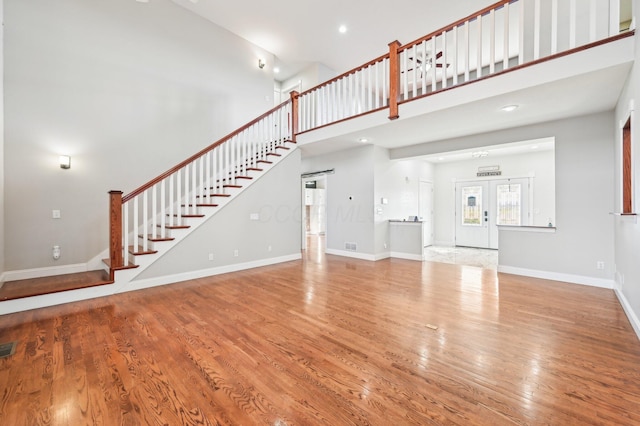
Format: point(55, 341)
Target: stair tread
point(20, 289)
point(232, 186)
point(206, 205)
point(154, 239)
point(274, 154)
point(188, 215)
point(216, 195)
point(282, 147)
point(174, 226)
point(254, 169)
point(265, 161)
point(141, 253)
point(129, 265)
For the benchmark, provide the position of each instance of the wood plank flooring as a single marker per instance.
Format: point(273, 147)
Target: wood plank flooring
point(46, 285)
point(328, 341)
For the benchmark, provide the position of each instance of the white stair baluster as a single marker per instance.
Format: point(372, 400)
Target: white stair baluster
point(444, 60)
point(125, 233)
point(572, 24)
point(492, 42)
point(505, 41)
point(554, 26)
point(454, 59)
point(479, 52)
point(145, 220)
point(466, 50)
point(521, 5)
point(154, 211)
point(592, 21)
point(536, 30)
point(172, 200)
point(163, 209)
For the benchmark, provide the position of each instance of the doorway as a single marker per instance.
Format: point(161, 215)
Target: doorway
point(314, 209)
point(483, 205)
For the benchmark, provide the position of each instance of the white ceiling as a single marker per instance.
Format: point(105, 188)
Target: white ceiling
point(302, 32)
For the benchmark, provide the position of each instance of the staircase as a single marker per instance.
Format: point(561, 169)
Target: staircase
point(147, 223)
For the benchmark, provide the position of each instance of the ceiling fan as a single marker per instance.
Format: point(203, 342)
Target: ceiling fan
point(424, 64)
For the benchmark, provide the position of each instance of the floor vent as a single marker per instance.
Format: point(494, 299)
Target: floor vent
point(351, 246)
point(7, 349)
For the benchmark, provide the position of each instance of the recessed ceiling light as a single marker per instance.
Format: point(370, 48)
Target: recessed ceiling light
point(363, 140)
point(276, 70)
point(479, 154)
point(509, 108)
point(342, 29)
point(440, 158)
point(534, 147)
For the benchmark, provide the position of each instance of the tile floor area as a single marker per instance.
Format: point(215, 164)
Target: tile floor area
point(483, 258)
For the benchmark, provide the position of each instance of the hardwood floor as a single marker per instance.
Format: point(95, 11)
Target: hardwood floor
point(331, 341)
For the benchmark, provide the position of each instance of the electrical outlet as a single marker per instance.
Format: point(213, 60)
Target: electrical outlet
point(235, 253)
point(600, 265)
point(210, 256)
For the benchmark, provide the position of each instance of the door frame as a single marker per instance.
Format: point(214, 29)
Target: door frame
point(531, 180)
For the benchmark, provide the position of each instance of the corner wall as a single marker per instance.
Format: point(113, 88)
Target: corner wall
point(128, 90)
point(627, 229)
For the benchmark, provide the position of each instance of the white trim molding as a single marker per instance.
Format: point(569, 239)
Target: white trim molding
point(626, 306)
point(557, 276)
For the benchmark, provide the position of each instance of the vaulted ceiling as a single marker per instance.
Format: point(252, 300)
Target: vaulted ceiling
point(301, 32)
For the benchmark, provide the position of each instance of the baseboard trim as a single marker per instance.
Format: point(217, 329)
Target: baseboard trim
point(407, 256)
point(192, 275)
point(48, 271)
point(353, 254)
point(631, 315)
point(556, 276)
point(444, 243)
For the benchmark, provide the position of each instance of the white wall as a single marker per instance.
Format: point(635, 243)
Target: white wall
point(366, 174)
point(627, 229)
point(349, 200)
point(127, 89)
point(398, 181)
point(309, 77)
point(539, 164)
point(276, 197)
point(584, 178)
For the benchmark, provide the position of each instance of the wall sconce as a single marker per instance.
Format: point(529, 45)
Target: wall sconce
point(261, 63)
point(65, 162)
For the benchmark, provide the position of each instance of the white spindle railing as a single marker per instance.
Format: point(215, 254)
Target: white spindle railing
point(507, 34)
point(359, 91)
point(150, 212)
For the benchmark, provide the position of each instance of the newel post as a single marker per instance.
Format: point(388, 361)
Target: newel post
point(294, 115)
point(115, 229)
point(394, 79)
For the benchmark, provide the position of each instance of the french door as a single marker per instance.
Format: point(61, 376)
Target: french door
point(482, 205)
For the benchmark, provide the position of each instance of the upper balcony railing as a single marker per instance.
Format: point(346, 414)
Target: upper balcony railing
point(507, 34)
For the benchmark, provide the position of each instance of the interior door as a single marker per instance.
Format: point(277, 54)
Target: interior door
point(426, 212)
point(472, 214)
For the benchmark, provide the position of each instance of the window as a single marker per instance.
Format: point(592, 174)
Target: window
point(509, 200)
point(472, 205)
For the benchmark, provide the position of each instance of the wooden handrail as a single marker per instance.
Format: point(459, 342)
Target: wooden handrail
point(458, 22)
point(200, 153)
point(345, 74)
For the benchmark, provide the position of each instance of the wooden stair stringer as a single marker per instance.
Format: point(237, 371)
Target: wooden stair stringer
point(124, 277)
